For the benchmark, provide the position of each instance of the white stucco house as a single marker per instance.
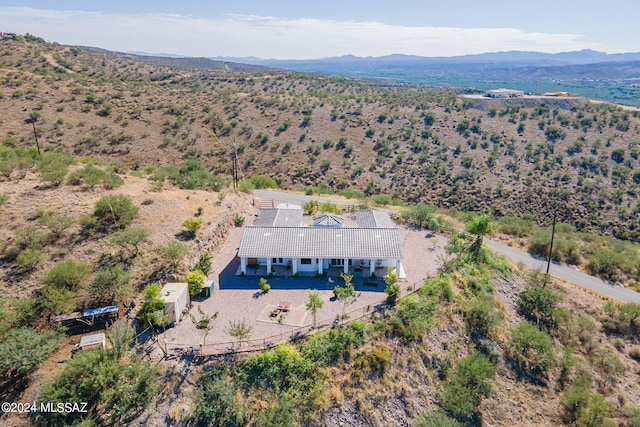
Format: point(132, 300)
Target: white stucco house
point(278, 237)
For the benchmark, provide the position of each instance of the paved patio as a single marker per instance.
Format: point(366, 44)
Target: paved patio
point(239, 299)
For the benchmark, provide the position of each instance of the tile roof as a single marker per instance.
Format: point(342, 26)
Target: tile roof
point(372, 219)
point(320, 242)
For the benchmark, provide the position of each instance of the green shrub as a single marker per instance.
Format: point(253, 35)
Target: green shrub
point(110, 285)
point(537, 304)
point(334, 346)
point(264, 286)
point(192, 225)
point(435, 419)
point(195, 279)
point(263, 181)
point(483, 315)
point(153, 307)
point(414, 316)
point(216, 403)
point(115, 211)
point(373, 361)
point(515, 226)
point(466, 385)
point(113, 390)
point(532, 350)
point(634, 353)
point(67, 275)
point(29, 259)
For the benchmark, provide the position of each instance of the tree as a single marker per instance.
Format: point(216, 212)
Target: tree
point(34, 117)
point(54, 222)
point(113, 390)
point(314, 303)
point(115, 211)
point(67, 275)
point(110, 285)
point(22, 350)
point(153, 307)
point(173, 251)
point(420, 214)
point(393, 287)
point(196, 280)
point(205, 323)
point(483, 315)
point(130, 239)
point(192, 225)
point(346, 294)
point(121, 338)
point(480, 226)
point(203, 264)
point(239, 330)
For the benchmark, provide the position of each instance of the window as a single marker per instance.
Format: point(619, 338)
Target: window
point(305, 261)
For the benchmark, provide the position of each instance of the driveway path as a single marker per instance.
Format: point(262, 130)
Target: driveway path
point(560, 271)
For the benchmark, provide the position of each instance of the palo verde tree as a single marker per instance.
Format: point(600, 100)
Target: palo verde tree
point(480, 226)
point(314, 303)
point(347, 293)
point(115, 211)
point(205, 323)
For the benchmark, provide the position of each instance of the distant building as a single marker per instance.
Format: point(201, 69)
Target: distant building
point(504, 93)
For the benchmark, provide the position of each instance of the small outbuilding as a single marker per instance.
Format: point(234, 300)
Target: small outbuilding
point(92, 341)
point(176, 295)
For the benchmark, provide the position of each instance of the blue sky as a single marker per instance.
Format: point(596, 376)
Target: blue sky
point(302, 29)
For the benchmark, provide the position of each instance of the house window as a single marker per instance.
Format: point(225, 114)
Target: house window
point(277, 261)
point(305, 261)
point(337, 262)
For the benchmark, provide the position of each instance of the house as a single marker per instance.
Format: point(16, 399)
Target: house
point(374, 242)
point(504, 93)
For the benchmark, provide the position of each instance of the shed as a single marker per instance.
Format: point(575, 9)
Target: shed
point(176, 295)
point(207, 289)
point(89, 341)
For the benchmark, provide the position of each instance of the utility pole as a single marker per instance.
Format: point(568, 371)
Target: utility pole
point(235, 164)
point(553, 230)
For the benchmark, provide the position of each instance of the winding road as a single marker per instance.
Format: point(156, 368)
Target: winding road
point(575, 277)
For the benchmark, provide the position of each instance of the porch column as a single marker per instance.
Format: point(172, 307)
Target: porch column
point(346, 266)
point(294, 265)
point(372, 266)
point(243, 265)
point(398, 267)
point(320, 265)
point(268, 266)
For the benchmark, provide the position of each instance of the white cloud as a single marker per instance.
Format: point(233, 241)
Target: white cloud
point(271, 37)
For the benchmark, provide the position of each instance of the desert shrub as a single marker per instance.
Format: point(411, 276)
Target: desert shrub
point(515, 226)
point(31, 237)
point(420, 214)
point(115, 211)
point(195, 279)
point(538, 304)
point(435, 419)
point(192, 225)
point(263, 181)
point(53, 167)
point(607, 362)
point(531, 349)
point(22, 350)
point(264, 285)
point(374, 361)
point(606, 263)
point(113, 390)
point(414, 316)
point(623, 319)
point(216, 403)
point(67, 275)
point(29, 259)
point(238, 221)
point(173, 251)
point(130, 239)
point(334, 346)
point(483, 315)
point(466, 385)
point(279, 369)
point(110, 285)
point(634, 353)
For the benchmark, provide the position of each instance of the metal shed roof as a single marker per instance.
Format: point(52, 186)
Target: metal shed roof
point(328, 220)
point(373, 219)
point(274, 217)
point(321, 242)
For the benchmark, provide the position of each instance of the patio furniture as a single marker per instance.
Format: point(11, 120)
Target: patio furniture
point(284, 306)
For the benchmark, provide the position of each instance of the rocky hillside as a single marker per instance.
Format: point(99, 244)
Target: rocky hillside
point(413, 144)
